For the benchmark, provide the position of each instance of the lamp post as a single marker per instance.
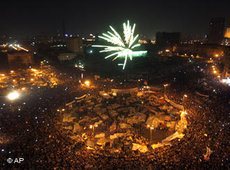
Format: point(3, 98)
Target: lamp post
point(151, 128)
point(61, 114)
point(185, 96)
point(165, 85)
point(93, 127)
point(151, 133)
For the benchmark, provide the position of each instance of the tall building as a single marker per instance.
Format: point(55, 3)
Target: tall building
point(167, 39)
point(216, 30)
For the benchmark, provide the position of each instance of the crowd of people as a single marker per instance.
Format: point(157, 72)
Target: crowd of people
point(34, 132)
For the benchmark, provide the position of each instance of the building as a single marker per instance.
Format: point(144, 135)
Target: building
point(66, 57)
point(19, 59)
point(75, 45)
point(167, 39)
point(14, 56)
point(204, 50)
point(226, 40)
point(216, 30)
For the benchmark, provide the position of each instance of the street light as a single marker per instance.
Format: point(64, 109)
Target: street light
point(185, 96)
point(151, 128)
point(61, 113)
point(216, 55)
point(165, 85)
point(93, 127)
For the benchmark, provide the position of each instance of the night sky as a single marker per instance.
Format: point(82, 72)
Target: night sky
point(33, 17)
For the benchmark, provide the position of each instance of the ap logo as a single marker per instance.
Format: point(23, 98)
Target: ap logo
point(16, 160)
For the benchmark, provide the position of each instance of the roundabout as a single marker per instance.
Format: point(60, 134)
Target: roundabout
point(124, 120)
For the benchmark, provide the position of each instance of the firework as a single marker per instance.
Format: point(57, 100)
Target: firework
point(121, 47)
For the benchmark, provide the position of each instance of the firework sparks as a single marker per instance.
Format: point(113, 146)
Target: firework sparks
point(121, 48)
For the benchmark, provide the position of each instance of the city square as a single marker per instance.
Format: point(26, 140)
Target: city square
point(113, 91)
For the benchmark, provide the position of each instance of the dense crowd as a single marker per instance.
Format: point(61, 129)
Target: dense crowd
point(35, 133)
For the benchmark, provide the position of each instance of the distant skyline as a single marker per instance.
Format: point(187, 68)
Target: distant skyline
point(24, 18)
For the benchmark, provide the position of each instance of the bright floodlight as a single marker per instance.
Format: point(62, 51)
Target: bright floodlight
point(226, 81)
point(121, 47)
point(13, 95)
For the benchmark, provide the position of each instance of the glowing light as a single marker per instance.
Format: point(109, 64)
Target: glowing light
point(32, 69)
point(89, 148)
point(226, 81)
point(184, 112)
point(121, 48)
point(91, 126)
point(87, 83)
point(167, 50)
point(13, 95)
point(227, 33)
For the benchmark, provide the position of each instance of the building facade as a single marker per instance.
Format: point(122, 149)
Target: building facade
point(19, 59)
point(75, 45)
